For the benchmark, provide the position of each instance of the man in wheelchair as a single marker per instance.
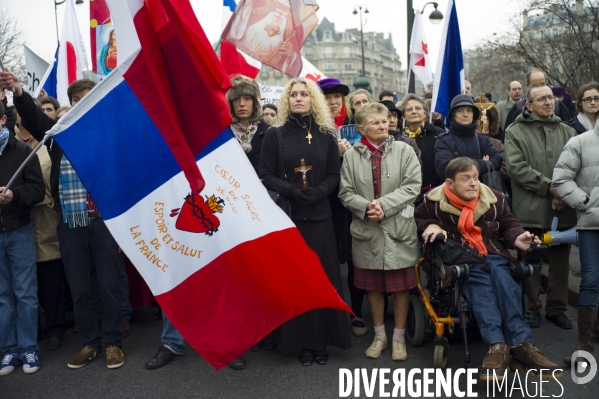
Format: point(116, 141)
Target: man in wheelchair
point(475, 215)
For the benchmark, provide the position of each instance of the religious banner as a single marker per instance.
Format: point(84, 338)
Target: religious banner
point(271, 94)
point(102, 38)
point(273, 31)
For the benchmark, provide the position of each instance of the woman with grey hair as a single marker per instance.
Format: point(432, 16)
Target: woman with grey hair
point(415, 113)
point(359, 98)
point(380, 179)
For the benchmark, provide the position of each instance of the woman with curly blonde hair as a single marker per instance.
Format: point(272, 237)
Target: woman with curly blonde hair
point(304, 135)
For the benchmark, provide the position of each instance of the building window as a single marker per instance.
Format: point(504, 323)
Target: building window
point(278, 82)
point(554, 31)
point(327, 35)
point(346, 52)
point(329, 66)
point(309, 52)
point(277, 73)
point(348, 65)
point(264, 71)
point(328, 52)
point(350, 82)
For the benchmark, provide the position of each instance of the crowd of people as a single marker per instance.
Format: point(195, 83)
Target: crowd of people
point(494, 177)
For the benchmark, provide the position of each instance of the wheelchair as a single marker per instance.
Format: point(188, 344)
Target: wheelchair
point(441, 301)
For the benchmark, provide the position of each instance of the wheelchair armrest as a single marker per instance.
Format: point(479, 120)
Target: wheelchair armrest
point(535, 254)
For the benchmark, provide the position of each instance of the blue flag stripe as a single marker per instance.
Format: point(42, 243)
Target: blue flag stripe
point(230, 3)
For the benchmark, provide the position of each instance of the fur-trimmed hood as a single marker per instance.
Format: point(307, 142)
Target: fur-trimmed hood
point(244, 86)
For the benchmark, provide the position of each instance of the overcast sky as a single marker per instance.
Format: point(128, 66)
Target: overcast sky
point(478, 19)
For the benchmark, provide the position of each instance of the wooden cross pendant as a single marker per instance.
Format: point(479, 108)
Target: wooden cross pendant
point(309, 137)
point(303, 169)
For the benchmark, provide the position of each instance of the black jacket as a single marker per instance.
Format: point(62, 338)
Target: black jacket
point(575, 123)
point(254, 155)
point(37, 124)
point(322, 154)
point(452, 144)
point(426, 143)
point(28, 188)
point(560, 110)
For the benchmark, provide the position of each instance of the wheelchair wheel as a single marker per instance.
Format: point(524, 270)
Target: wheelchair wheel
point(415, 322)
point(440, 356)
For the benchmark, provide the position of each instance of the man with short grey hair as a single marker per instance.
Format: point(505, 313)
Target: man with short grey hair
point(514, 93)
point(533, 144)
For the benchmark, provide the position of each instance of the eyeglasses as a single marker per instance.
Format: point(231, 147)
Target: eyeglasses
point(414, 109)
point(467, 178)
point(545, 98)
point(590, 99)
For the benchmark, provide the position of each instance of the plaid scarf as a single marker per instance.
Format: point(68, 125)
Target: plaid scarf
point(73, 195)
point(3, 139)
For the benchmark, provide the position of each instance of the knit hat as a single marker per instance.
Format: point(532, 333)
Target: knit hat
point(463, 100)
point(244, 86)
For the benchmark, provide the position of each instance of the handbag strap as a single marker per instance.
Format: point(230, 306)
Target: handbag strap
point(477, 145)
point(280, 167)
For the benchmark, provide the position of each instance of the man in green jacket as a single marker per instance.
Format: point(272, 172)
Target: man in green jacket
point(533, 144)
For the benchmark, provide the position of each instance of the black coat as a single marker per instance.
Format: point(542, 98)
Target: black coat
point(452, 144)
point(322, 154)
point(560, 110)
point(254, 155)
point(37, 124)
point(575, 123)
point(426, 143)
point(28, 188)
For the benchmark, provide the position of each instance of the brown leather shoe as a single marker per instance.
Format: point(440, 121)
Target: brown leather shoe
point(527, 357)
point(496, 362)
point(586, 330)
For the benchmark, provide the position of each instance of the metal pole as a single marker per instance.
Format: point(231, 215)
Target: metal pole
point(56, 4)
point(27, 160)
point(411, 80)
point(362, 37)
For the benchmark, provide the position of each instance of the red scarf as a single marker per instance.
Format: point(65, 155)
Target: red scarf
point(466, 227)
point(340, 119)
point(368, 144)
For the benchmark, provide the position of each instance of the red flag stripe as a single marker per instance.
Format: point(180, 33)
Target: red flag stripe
point(232, 293)
point(71, 63)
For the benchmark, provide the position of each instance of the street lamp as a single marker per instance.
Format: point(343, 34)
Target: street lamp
point(56, 4)
point(435, 17)
point(362, 82)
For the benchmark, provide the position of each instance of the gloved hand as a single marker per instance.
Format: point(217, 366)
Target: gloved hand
point(299, 197)
point(312, 193)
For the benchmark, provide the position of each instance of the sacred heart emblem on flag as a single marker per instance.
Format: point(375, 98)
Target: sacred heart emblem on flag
point(197, 215)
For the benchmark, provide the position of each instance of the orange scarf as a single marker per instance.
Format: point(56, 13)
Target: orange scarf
point(466, 226)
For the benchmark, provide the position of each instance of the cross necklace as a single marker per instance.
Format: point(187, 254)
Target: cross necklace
point(309, 136)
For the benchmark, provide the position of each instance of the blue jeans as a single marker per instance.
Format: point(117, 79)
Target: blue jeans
point(496, 301)
point(171, 338)
point(588, 241)
point(18, 292)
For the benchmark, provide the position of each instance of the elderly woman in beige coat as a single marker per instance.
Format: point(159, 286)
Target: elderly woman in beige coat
point(380, 179)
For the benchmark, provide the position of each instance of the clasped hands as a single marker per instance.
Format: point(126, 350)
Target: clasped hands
point(374, 211)
point(307, 196)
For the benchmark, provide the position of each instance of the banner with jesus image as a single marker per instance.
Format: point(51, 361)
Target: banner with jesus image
point(273, 31)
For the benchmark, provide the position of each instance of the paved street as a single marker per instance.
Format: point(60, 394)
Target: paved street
point(268, 375)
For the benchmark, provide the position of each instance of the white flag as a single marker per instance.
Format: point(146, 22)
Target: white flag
point(420, 61)
point(36, 69)
point(309, 71)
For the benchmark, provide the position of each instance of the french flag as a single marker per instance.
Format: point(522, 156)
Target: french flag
point(179, 194)
point(235, 61)
point(449, 77)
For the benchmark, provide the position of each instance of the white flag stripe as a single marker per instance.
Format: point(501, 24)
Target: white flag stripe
point(419, 51)
point(147, 233)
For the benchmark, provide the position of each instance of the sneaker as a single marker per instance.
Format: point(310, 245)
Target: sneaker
point(8, 364)
point(87, 354)
point(31, 362)
point(496, 362)
point(527, 357)
point(398, 351)
point(358, 327)
point(376, 348)
point(114, 357)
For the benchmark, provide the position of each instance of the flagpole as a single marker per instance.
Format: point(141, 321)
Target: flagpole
point(409, 76)
point(27, 160)
point(217, 45)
